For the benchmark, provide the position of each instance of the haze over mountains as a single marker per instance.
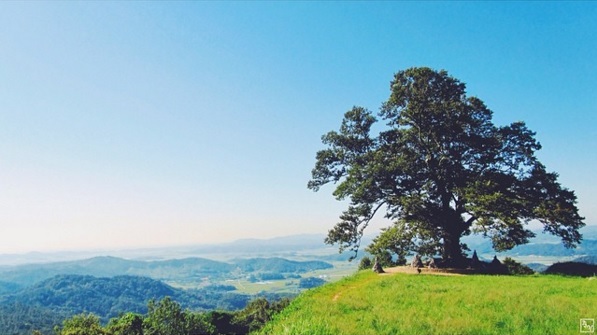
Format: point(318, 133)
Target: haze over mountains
point(249, 247)
point(542, 245)
point(44, 288)
point(305, 246)
point(175, 270)
point(39, 296)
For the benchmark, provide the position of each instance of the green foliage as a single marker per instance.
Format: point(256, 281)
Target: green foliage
point(384, 258)
point(7, 287)
point(18, 318)
point(225, 324)
point(367, 303)
point(255, 315)
point(516, 268)
point(258, 313)
point(106, 297)
point(166, 317)
point(126, 324)
point(198, 324)
point(401, 240)
point(47, 303)
point(365, 263)
point(440, 169)
point(81, 324)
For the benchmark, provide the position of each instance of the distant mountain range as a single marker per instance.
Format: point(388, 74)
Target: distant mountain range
point(542, 245)
point(306, 246)
point(247, 248)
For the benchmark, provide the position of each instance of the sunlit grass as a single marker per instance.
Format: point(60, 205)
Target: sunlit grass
point(425, 304)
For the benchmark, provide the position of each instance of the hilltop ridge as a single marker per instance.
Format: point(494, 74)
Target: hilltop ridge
point(367, 303)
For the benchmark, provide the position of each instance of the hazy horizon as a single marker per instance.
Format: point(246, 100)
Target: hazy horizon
point(108, 250)
point(142, 124)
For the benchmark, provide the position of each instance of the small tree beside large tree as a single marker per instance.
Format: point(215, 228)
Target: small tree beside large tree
point(440, 169)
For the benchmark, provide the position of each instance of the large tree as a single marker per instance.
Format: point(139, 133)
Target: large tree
point(440, 169)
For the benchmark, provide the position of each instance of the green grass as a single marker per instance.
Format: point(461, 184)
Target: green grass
point(367, 303)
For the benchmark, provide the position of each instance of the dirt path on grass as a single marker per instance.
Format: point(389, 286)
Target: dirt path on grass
point(426, 271)
point(447, 271)
point(413, 271)
point(336, 296)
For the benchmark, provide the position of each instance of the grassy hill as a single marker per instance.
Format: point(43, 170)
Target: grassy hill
point(367, 303)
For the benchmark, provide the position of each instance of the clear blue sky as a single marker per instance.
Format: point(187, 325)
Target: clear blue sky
point(130, 124)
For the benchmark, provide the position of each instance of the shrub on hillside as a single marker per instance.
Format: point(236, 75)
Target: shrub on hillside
point(81, 324)
point(257, 313)
point(385, 259)
point(516, 268)
point(166, 317)
point(365, 263)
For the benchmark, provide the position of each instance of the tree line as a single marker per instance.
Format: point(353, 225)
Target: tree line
point(46, 304)
point(167, 317)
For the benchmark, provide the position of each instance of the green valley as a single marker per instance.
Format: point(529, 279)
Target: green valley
point(40, 296)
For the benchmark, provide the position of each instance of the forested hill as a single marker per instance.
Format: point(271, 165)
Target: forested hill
point(102, 296)
point(107, 297)
point(37, 296)
point(47, 303)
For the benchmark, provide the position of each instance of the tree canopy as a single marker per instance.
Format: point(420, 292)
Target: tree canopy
point(166, 317)
point(440, 169)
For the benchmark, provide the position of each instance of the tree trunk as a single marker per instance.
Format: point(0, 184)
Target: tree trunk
point(452, 231)
point(452, 252)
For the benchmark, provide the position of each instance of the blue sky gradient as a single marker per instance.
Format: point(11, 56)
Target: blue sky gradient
point(131, 124)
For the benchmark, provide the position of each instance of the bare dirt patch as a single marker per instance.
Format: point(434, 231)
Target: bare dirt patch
point(426, 271)
point(411, 270)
